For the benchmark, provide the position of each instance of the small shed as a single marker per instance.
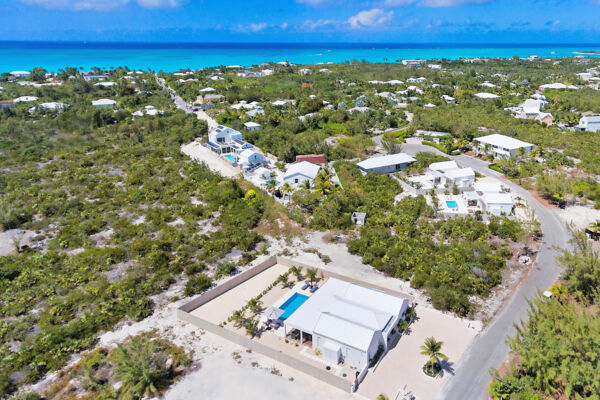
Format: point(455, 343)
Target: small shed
point(359, 218)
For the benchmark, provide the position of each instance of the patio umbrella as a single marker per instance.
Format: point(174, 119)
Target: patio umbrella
point(273, 313)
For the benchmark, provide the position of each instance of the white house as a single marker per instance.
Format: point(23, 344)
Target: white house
point(448, 172)
point(250, 157)
point(502, 146)
point(386, 164)
point(448, 99)
point(497, 203)
point(348, 322)
point(324, 70)
point(104, 103)
point(484, 95)
point(589, 123)
point(297, 173)
point(25, 99)
point(51, 106)
point(304, 71)
point(105, 84)
point(20, 74)
point(280, 103)
point(223, 134)
point(251, 126)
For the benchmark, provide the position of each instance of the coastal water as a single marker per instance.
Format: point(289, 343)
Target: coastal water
point(174, 56)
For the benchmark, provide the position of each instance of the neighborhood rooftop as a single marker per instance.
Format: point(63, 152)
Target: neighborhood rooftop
point(506, 142)
point(383, 161)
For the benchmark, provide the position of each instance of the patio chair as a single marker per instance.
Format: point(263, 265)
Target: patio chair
point(276, 325)
point(306, 285)
point(314, 288)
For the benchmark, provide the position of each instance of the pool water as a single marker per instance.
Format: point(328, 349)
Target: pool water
point(292, 305)
point(231, 157)
point(452, 204)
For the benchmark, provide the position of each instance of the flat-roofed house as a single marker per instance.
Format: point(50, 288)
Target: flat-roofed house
point(448, 172)
point(497, 203)
point(386, 164)
point(589, 123)
point(250, 158)
point(251, 126)
point(502, 146)
point(297, 173)
point(6, 104)
point(347, 322)
point(104, 103)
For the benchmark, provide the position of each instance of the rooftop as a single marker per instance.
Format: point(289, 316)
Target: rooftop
point(384, 161)
point(506, 142)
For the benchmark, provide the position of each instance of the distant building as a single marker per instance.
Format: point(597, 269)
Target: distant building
point(223, 134)
point(312, 158)
point(589, 123)
point(20, 74)
point(6, 104)
point(100, 77)
point(251, 126)
point(502, 146)
point(297, 173)
point(359, 218)
point(104, 103)
point(386, 164)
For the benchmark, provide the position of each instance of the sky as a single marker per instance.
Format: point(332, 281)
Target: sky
point(380, 21)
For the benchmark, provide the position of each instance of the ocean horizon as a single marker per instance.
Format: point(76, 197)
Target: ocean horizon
point(170, 57)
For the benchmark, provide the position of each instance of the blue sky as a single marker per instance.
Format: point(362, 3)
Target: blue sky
point(401, 21)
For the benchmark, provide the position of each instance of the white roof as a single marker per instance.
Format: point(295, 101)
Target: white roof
point(497, 198)
point(251, 124)
point(460, 173)
point(347, 313)
point(261, 171)
point(25, 99)
point(505, 142)
point(443, 165)
point(554, 86)
point(488, 186)
point(208, 89)
point(105, 84)
point(303, 168)
point(103, 102)
point(532, 106)
point(248, 153)
point(484, 95)
point(384, 161)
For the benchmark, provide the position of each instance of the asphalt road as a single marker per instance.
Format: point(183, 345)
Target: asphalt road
point(473, 373)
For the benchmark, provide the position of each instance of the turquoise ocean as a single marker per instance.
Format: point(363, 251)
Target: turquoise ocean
point(171, 57)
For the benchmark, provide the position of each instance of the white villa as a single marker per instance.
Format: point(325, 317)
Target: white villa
point(249, 158)
point(251, 126)
point(589, 123)
point(297, 173)
point(223, 134)
point(497, 203)
point(386, 164)
point(448, 172)
point(347, 322)
point(25, 99)
point(484, 95)
point(51, 106)
point(531, 109)
point(104, 103)
point(502, 146)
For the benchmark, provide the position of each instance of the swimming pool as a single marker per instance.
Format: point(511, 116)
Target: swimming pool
point(231, 157)
point(452, 204)
point(292, 305)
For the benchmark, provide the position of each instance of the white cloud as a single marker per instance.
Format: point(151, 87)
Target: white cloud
point(370, 18)
point(101, 5)
point(258, 27)
point(397, 3)
point(450, 3)
point(310, 25)
point(284, 26)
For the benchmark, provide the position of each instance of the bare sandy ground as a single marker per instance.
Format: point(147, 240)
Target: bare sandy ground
point(201, 154)
point(579, 216)
point(7, 240)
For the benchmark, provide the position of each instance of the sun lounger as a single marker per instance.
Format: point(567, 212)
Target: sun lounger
point(306, 284)
point(313, 288)
point(277, 325)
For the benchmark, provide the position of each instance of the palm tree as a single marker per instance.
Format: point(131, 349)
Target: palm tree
point(297, 271)
point(140, 364)
point(286, 189)
point(595, 226)
point(238, 318)
point(311, 273)
point(271, 186)
point(254, 305)
point(323, 182)
point(305, 185)
point(432, 349)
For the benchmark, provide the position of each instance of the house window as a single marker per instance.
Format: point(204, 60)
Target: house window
point(398, 166)
point(296, 180)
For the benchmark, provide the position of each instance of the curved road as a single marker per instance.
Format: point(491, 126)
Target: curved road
point(488, 350)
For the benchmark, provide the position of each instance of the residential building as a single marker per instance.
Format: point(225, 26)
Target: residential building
point(6, 104)
point(413, 63)
point(386, 164)
point(304, 71)
point(90, 77)
point(448, 99)
point(347, 322)
point(251, 126)
point(249, 158)
point(359, 218)
point(20, 74)
point(502, 146)
point(497, 203)
point(104, 103)
point(589, 123)
point(449, 173)
point(297, 173)
point(223, 134)
point(25, 99)
point(484, 95)
point(312, 158)
point(51, 106)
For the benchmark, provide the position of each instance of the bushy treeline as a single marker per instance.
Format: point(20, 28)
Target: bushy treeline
point(119, 214)
point(555, 349)
point(451, 259)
